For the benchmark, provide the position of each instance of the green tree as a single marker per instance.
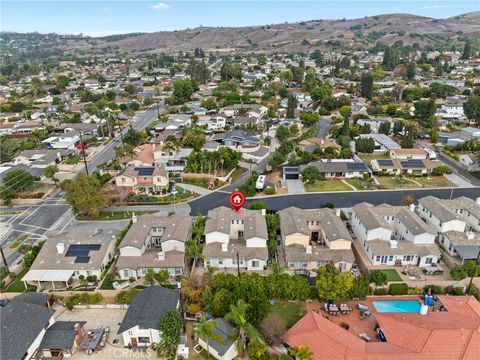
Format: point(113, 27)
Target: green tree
point(13, 181)
point(467, 51)
point(424, 109)
point(291, 106)
point(50, 172)
point(301, 353)
point(366, 86)
point(311, 174)
point(198, 71)
point(85, 195)
point(333, 284)
point(132, 137)
point(170, 326)
point(321, 92)
point(204, 329)
point(237, 316)
point(194, 251)
point(471, 107)
point(411, 68)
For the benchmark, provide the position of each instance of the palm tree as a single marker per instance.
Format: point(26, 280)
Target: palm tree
point(301, 353)
point(204, 330)
point(194, 251)
point(238, 317)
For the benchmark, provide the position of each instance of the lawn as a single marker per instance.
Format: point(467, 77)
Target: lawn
point(388, 182)
point(17, 285)
point(18, 241)
point(115, 215)
point(202, 182)
point(238, 173)
point(73, 160)
point(434, 181)
point(290, 312)
point(392, 274)
point(328, 185)
point(182, 195)
point(367, 158)
point(360, 184)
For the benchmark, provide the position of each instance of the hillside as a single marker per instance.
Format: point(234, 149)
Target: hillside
point(303, 36)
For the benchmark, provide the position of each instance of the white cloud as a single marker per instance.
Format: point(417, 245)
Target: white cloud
point(160, 6)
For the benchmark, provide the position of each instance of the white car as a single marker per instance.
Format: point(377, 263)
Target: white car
point(260, 184)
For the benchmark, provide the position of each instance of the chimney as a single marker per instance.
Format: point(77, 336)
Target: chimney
point(393, 244)
point(161, 255)
point(308, 249)
point(264, 212)
point(134, 218)
point(477, 200)
point(470, 235)
point(322, 141)
point(412, 207)
point(338, 212)
point(79, 334)
point(60, 247)
point(224, 247)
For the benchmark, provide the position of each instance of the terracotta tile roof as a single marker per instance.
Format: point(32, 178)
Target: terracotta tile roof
point(451, 335)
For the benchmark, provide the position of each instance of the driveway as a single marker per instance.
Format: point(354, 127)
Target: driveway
point(295, 187)
point(457, 180)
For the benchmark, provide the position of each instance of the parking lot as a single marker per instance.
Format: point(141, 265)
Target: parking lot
point(96, 318)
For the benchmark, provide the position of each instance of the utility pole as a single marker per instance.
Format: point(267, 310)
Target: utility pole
point(121, 134)
point(83, 146)
point(158, 110)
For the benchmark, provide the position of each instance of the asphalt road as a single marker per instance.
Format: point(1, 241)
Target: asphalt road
point(339, 199)
point(108, 152)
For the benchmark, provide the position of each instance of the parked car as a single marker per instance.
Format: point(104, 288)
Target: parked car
point(260, 184)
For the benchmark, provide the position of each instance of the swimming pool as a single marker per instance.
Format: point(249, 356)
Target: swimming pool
point(396, 305)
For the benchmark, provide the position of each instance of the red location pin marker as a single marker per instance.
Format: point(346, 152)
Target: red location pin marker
point(236, 200)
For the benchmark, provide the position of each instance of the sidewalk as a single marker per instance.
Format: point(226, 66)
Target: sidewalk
point(194, 188)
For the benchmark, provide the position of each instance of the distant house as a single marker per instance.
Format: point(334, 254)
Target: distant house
point(459, 137)
point(408, 154)
point(470, 162)
point(224, 344)
point(42, 158)
point(383, 143)
point(239, 140)
point(374, 123)
point(139, 327)
point(145, 179)
point(156, 243)
point(173, 161)
point(339, 168)
point(313, 238)
point(394, 235)
point(62, 141)
point(82, 251)
point(236, 239)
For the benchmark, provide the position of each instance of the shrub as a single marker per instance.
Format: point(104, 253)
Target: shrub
point(380, 291)
point(91, 278)
point(440, 170)
point(378, 277)
point(194, 308)
point(398, 289)
point(270, 191)
point(82, 299)
point(125, 297)
point(414, 291)
point(434, 289)
point(458, 273)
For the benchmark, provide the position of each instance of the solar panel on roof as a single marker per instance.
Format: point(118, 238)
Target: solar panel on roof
point(385, 162)
point(356, 166)
point(82, 259)
point(417, 164)
point(144, 171)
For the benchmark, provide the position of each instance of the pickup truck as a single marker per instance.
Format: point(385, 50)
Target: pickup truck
point(433, 269)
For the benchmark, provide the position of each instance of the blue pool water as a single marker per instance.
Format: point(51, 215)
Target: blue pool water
point(396, 305)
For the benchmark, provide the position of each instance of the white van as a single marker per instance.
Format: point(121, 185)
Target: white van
point(260, 184)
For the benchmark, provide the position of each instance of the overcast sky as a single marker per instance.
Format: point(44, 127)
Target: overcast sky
point(98, 18)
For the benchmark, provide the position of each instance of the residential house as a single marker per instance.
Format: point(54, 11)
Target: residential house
point(310, 144)
point(451, 334)
point(145, 179)
point(408, 154)
point(383, 143)
point(394, 235)
point(62, 141)
point(174, 161)
point(223, 345)
point(470, 162)
point(84, 250)
point(375, 123)
point(459, 137)
point(465, 245)
point(139, 327)
point(313, 238)
point(405, 167)
point(341, 168)
point(236, 239)
point(239, 140)
point(156, 243)
point(42, 158)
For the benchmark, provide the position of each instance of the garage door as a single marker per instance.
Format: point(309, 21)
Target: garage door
point(291, 176)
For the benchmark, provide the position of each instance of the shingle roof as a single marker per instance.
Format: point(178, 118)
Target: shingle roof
point(60, 335)
point(20, 324)
point(148, 306)
point(225, 332)
point(220, 220)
